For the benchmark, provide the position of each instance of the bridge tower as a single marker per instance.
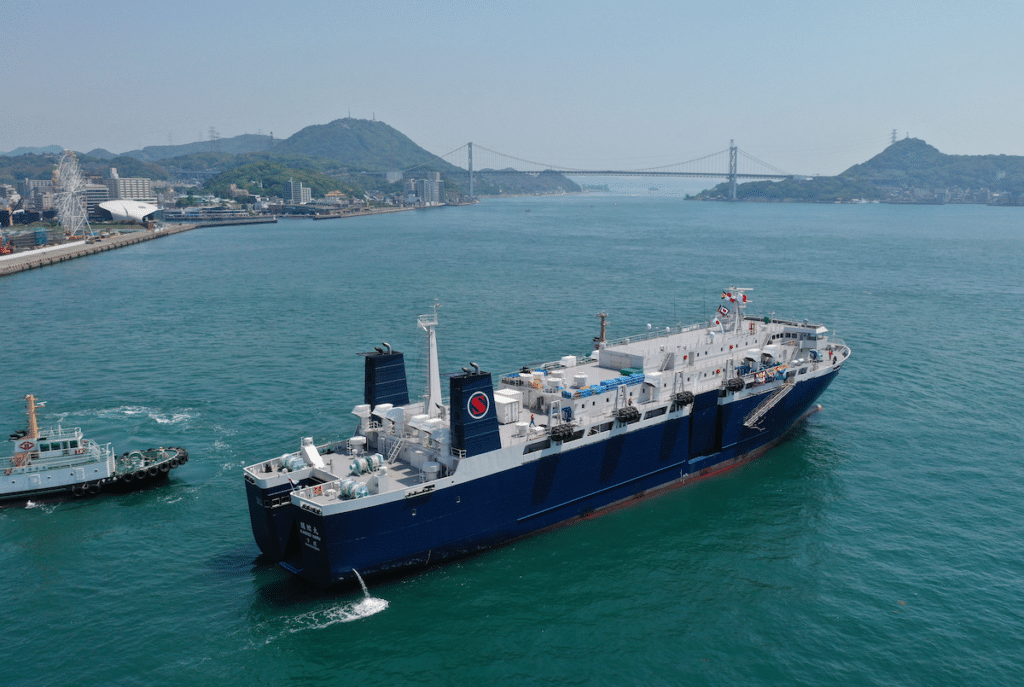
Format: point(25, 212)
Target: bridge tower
point(732, 170)
point(470, 169)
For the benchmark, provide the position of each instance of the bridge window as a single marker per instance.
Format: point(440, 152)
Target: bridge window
point(657, 412)
point(44, 447)
point(74, 444)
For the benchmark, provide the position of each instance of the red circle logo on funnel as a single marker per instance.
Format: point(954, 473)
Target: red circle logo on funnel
point(478, 405)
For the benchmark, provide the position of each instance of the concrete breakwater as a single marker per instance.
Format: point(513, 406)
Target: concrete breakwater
point(34, 259)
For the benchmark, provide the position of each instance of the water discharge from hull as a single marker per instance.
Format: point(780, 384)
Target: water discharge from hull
point(362, 584)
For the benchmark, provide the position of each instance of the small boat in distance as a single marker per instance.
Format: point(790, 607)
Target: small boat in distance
point(57, 461)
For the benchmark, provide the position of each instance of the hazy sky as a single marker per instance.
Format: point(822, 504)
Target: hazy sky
point(810, 87)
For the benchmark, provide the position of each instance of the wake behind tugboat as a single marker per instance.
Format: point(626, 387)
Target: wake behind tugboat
point(58, 461)
point(423, 482)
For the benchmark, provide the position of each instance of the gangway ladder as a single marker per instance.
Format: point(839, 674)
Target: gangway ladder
point(767, 404)
point(396, 448)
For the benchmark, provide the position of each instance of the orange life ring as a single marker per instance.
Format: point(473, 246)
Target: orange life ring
point(8, 471)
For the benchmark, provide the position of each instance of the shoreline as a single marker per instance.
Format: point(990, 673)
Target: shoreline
point(34, 259)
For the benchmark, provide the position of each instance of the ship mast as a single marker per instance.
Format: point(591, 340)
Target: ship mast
point(33, 427)
point(428, 323)
point(598, 340)
point(740, 301)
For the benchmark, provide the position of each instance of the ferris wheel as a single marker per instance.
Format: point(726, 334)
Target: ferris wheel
point(70, 196)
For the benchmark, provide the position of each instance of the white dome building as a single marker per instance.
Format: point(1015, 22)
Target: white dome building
point(132, 210)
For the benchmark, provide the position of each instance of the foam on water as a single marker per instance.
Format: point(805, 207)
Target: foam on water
point(44, 507)
point(343, 613)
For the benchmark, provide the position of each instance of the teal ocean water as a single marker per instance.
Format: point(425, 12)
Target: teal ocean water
point(879, 545)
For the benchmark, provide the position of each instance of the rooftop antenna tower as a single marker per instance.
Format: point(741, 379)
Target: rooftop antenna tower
point(70, 200)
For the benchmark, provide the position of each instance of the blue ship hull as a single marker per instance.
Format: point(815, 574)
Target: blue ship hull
point(553, 490)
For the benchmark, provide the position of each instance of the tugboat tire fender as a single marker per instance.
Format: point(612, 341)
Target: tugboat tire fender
point(165, 467)
point(152, 471)
point(95, 488)
point(174, 462)
point(141, 474)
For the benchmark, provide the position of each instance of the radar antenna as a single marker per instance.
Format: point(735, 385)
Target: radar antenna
point(70, 198)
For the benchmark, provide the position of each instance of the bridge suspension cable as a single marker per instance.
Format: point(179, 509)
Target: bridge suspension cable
point(722, 164)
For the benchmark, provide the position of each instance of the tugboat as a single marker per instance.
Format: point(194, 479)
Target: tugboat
point(433, 479)
point(59, 461)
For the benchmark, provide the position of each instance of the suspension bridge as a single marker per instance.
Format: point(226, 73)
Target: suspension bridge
point(723, 164)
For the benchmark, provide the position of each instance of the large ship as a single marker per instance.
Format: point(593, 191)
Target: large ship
point(422, 482)
point(60, 461)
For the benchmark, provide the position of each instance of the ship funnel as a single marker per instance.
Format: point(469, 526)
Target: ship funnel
point(476, 368)
point(474, 421)
point(386, 346)
point(384, 378)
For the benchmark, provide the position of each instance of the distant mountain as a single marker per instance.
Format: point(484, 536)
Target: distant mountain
point(909, 170)
point(347, 155)
point(28, 166)
point(915, 163)
point(246, 143)
point(101, 153)
point(361, 144)
point(52, 150)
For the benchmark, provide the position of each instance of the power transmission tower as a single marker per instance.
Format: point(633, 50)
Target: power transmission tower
point(894, 135)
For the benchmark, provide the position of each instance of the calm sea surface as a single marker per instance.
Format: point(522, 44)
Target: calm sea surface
point(880, 545)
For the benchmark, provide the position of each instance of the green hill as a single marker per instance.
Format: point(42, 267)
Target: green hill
point(246, 143)
point(906, 170)
point(361, 144)
point(52, 150)
point(270, 178)
point(29, 166)
point(912, 162)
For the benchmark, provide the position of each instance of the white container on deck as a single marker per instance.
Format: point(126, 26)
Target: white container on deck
point(506, 408)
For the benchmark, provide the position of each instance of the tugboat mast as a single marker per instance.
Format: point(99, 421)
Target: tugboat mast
point(33, 426)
